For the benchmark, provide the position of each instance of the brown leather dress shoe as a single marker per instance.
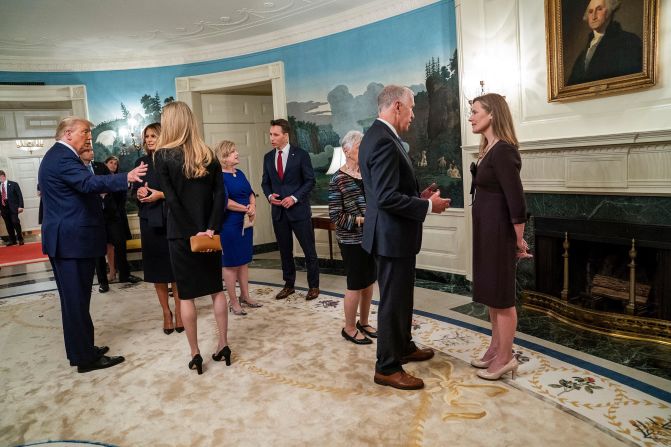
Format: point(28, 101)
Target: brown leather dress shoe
point(285, 292)
point(419, 355)
point(313, 292)
point(401, 380)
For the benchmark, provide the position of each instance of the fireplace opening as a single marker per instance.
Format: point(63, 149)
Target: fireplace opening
point(599, 258)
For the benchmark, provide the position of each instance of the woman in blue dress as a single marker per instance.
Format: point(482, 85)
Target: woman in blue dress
point(236, 240)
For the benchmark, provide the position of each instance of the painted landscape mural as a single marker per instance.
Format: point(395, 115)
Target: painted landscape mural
point(331, 86)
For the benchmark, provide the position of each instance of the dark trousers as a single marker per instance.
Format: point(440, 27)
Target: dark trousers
point(101, 271)
point(396, 279)
point(74, 278)
point(12, 223)
point(306, 238)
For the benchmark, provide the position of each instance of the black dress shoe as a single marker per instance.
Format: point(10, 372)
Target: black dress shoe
point(131, 279)
point(99, 352)
point(8, 244)
point(102, 363)
point(353, 339)
point(104, 288)
point(21, 243)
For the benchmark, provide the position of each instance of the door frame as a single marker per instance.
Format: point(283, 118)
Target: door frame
point(189, 88)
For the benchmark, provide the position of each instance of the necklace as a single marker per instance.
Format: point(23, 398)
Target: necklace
point(352, 172)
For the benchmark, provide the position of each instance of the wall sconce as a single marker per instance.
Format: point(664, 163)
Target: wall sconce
point(29, 145)
point(337, 161)
point(474, 94)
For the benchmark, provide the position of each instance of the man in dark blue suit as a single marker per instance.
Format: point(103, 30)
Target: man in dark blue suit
point(73, 235)
point(11, 205)
point(392, 232)
point(287, 181)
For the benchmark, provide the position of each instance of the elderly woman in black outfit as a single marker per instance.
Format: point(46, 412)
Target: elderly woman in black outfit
point(155, 253)
point(347, 208)
point(499, 214)
point(190, 178)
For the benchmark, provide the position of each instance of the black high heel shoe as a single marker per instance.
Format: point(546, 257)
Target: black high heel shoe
point(179, 329)
point(226, 353)
point(197, 361)
point(168, 331)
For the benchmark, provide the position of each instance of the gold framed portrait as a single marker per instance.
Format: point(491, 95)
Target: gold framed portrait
point(600, 47)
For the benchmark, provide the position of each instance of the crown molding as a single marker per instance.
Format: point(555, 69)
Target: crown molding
point(351, 19)
point(590, 141)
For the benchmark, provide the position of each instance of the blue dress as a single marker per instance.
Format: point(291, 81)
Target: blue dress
point(236, 243)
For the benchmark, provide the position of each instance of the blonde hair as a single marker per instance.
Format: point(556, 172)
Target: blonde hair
point(502, 120)
point(180, 130)
point(223, 149)
point(69, 123)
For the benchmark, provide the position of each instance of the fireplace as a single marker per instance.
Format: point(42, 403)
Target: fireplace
point(583, 271)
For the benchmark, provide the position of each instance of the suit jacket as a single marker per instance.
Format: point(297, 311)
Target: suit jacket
point(194, 205)
point(394, 211)
point(72, 224)
point(14, 197)
point(618, 53)
point(298, 181)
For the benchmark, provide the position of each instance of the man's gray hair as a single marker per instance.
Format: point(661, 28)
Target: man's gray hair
point(68, 123)
point(390, 94)
point(611, 7)
point(351, 139)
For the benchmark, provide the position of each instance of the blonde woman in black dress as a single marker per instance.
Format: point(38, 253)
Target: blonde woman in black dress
point(499, 214)
point(190, 178)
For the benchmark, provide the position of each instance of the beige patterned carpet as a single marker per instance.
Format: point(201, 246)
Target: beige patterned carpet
point(294, 381)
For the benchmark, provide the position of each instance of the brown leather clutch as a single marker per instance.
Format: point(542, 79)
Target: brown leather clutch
point(201, 244)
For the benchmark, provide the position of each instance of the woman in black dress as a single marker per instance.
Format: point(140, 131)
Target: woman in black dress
point(499, 214)
point(190, 178)
point(347, 208)
point(118, 230)
point(155, 253)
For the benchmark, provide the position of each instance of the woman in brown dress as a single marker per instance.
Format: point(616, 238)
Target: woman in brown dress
point(499, 214)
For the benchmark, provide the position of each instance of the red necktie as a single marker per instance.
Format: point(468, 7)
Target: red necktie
point(280, 168)
point(4, 194)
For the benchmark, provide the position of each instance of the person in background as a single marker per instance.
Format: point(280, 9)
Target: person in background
point(97, 168)
point(236, 241)
point(118, 230)
point(155, 253)
point(190, 177)
point(347, 210)
point(499, 214)
point(11, 205)
point(73, 235)
point(288, 179)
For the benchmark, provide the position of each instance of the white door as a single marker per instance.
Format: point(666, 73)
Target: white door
point(24, 171)
point(245, 120)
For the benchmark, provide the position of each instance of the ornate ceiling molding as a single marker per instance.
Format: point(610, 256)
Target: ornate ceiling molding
point(350, 19)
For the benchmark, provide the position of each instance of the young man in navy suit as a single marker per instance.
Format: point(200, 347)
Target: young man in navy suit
point(287, 181)
point(392, 232)
point(11, 205)
point(73, 235)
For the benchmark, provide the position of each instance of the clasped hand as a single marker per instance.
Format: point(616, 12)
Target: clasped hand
point(145, 194)
point(286, 202)
point(522, 248)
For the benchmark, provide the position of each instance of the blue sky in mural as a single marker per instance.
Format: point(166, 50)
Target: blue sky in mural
point(390, 51)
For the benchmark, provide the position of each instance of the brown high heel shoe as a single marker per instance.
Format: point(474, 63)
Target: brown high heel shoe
point(236, 312)
point(244, 301)
point(511, 366)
